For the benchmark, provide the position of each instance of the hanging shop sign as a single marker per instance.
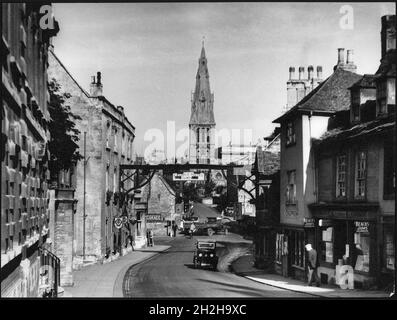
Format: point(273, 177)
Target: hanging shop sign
point(308, 222)
point(362, 226)
point(118, 222)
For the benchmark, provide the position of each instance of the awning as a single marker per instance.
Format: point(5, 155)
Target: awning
point(11, 147)
point(24, 159)
point(11, 201)
point(10, 175)
point(24, 128)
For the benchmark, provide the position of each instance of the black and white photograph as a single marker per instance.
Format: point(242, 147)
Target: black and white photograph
point(196, 150)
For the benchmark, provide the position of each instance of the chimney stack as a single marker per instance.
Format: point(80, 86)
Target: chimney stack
point(349, 59)
point(291, 73)
point(319, 72)
point(341, 55)
point(96, 87)
point(388, 34)
point(301, 71)
point(310, 72)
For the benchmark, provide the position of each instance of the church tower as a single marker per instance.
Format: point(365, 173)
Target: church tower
point(202, 121)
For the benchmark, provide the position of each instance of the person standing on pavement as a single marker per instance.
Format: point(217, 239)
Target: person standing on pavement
point(192, 229)
point(174, 227)
point(312, 266)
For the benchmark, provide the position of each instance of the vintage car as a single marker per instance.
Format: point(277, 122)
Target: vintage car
point(205, 255)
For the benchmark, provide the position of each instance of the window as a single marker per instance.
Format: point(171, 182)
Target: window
point(356, 106)
point(362, 242)
point(279, 246)
point(198, 135)
point(361, 163)
point(327, 250)
point(341, 176)
point(291, 139)
point(298, 250)
point(107, 179)
point(291, 187)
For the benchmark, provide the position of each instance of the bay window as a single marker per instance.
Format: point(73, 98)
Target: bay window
point(361, 164)
point(341, 176)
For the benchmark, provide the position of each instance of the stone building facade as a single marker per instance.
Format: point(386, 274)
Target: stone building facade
point(24, 157)
point(106, 141)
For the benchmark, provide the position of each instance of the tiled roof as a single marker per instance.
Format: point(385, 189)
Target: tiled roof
point(367, 81)
point(367, 128)
point(331, 95)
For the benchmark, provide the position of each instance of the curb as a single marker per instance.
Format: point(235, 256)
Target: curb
point(121, 277)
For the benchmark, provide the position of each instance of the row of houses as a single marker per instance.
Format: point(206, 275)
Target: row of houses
point(335, 176)
point(54, 222)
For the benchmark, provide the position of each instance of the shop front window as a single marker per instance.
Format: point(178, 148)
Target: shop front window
point(279, 246)
point(388, 251)
point(327, 247)
point(298, 253)
point(362, 242)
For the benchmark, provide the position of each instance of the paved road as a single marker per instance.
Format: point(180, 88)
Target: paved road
point(171, 274)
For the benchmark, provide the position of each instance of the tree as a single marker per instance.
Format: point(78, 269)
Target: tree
point(63, 146)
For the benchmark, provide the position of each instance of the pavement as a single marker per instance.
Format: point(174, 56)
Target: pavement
point(106, 280)
point(244, 266)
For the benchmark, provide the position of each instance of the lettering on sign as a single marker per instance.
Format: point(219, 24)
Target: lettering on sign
point(362, 226)
point(308, 222)
point(153, 218)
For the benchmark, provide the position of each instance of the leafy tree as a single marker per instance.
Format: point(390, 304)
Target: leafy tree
point(64, 136)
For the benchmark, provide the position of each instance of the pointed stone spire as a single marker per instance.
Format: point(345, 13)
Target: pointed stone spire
point(202, 104)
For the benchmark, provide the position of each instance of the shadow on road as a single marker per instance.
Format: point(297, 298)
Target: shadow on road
point(191, 266)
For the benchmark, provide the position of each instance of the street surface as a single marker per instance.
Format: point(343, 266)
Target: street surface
point(171, 274)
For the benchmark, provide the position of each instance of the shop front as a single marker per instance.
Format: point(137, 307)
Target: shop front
point(347, 238)
point(291, 257)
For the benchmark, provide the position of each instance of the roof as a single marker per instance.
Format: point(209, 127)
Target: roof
point(329, 96)
point(376, 126)
point(203, 211)
point(367, 81)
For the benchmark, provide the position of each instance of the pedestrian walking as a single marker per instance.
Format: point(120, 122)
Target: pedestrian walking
point(192, 229)
point(312, 266)
point(174, 228)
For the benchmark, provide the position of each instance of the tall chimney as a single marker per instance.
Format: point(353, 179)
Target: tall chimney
point(96, 87)
point(291, 73)
point(349, 58)
point(388, 33)
point(319, 72)
point(310, 72)
point(341, 55)
point(301, 71)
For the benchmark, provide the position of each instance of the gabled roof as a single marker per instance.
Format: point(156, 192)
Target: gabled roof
point(329, 96)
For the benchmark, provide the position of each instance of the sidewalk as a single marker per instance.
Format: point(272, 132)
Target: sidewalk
point(244, 267)
point(106, 280)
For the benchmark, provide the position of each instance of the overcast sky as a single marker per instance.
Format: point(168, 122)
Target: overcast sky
point(148, 54)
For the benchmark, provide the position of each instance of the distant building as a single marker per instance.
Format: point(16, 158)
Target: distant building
point(160, 199)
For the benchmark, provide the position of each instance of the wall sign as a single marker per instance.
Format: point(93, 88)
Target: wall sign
point(308, 222)
point(153, 217)
point(362, 226)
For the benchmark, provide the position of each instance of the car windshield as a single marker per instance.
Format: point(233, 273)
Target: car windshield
point(206, 245)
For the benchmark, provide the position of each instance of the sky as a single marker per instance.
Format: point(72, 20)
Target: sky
point(148, 55)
